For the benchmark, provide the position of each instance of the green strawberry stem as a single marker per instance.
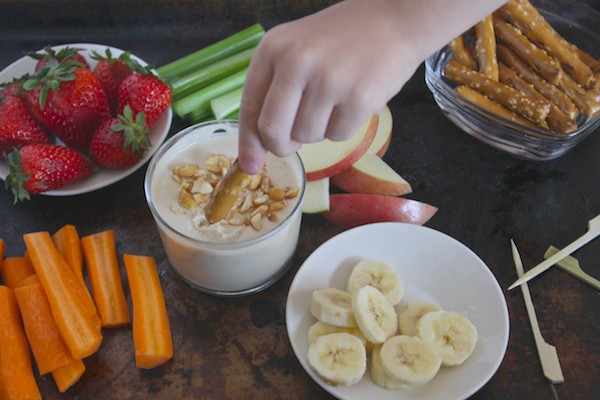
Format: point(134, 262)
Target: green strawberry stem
point(235, 43)
point(16, 177)
point(211, 73)
point(196, 106)
point(227, 104)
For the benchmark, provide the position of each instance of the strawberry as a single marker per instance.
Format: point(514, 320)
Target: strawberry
point(40, 167)
point(145, 93)
point(66, 53)
point(68, 100)
point(13, 88)
point(18, 126)
point(111, 71)
point(120, 142)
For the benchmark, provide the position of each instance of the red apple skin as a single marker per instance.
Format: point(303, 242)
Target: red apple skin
point(348, 210)
point(349, 159)
point(368, 177)
point(383, 137)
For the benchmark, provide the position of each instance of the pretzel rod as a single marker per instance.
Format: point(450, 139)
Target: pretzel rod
point(526, 17)
point(512, 99)
point(227, 192)
point(485, 48)
point(492, 106)
point(547, 66)
point(588, 59)
point(586, 104)
point(462, 53)
point(557, 120)
point(549, 91)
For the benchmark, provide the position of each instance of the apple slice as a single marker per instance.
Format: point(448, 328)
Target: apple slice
point(316, 196)
point(326, 158)
point(349, 210)
point(383, 136)
point(371, 175)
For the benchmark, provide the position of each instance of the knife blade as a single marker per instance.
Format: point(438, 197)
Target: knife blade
point(592, 233)
point(547, 352)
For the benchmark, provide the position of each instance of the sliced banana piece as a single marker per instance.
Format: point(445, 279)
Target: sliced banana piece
point(333, 306)
point(339, 358)
point(378, 374)
point(452, 335)
point(321, 328)
point(409, 360)
point(379, 275)
point(375, 316)
point(407, 319)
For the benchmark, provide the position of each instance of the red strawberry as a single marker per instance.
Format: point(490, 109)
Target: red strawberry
point(120, 142)
point(66, 53)
point(13, 88)
point(37, 168)
point(145, 93)
point(68, 100)
point(18, 126)
point(111, 71)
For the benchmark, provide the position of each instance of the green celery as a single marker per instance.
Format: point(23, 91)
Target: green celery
point(197, 104)
point(235, 43)
point(212, 73)
point(226, 104)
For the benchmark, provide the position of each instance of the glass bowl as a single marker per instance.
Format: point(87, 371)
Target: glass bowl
point(223, 260)
point(576, 23)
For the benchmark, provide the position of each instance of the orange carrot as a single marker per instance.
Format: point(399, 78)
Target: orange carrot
point(49, 349)
point(16, 372)
point(151, 329)
point(14, 269)
point(100, 252)
point(68, 375)
point(67, 241)
point(75, 321)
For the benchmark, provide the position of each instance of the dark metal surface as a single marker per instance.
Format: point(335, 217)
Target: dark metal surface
point(238, 348)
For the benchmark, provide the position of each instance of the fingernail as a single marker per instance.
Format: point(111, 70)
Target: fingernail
point(250, 167)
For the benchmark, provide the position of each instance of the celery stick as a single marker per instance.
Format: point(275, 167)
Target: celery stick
point(197, 104)
point(226, 104)
point(212, 73)
point(235, 43)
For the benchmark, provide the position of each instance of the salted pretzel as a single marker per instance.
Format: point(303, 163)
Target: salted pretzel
point(549, 91)
point(485, 48)
point(557, 120)
point(492, 106)
point(586, 103)
point(512, 99)
point(526, 17)
point(547, 66)
point(227, 192)
point(461, 52)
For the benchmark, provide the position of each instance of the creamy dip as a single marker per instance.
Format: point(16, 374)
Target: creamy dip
point(221, 258)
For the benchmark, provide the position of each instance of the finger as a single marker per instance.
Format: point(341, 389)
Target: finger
point(251, 152)
point(279, 112)
point(345, 122)
point(313, 116)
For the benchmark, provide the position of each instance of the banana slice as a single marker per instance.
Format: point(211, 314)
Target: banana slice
point(407, 319)
point(375, 316)
point(321, 328)
point(380, 276)
point(452, 335)
point(333, 306)
point(409, 360)
point(339, 358)
point(378, 374)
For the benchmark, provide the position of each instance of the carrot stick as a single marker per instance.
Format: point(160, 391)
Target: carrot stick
point(67, 241)
point(66, 376)
point(14, 269)
point(16, 372)
point(74, 319)
point(49, 349)
point(151, 329)
point(100, 252)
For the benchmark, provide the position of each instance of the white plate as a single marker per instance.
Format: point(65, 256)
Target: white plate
point(434, 268)
point(101, 177)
